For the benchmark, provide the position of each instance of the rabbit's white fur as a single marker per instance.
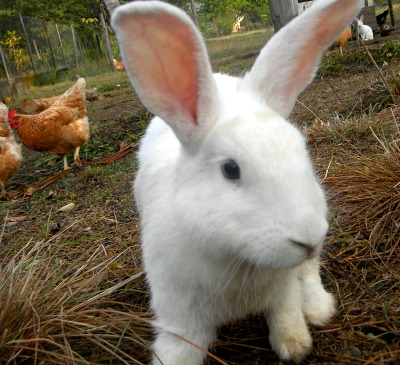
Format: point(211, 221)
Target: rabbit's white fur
point(219, 246)
point(364, 31)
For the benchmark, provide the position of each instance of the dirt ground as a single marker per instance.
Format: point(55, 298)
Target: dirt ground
point(366, 329)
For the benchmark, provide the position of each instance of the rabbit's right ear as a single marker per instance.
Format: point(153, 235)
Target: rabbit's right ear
point(289, 61)
point(167, 62)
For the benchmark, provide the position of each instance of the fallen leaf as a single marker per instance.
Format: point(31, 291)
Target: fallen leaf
point(66, 208)
point(29, 191)
point(16, 219)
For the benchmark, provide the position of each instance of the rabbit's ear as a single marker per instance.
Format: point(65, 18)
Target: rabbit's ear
point(167, 62)
point(289, 61)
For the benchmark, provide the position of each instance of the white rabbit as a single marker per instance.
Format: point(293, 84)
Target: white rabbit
point(364, 31)
point(232, 215)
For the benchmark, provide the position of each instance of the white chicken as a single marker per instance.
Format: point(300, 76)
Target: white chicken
point(10, 151)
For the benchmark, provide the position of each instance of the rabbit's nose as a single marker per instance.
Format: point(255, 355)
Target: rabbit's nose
point(309, 248)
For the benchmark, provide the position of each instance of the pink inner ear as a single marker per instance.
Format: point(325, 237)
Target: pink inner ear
point(164, 53)
point(311, 52)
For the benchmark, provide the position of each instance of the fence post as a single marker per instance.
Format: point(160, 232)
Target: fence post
point(12, 87)
point(75, 46)
point(62, 47)
point(28, 44)
point(106, 40)
point(46, 33)
point(80, 50)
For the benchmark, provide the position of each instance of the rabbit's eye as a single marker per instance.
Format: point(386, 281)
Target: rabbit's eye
point(231, 170)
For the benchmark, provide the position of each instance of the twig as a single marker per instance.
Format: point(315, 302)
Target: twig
point(121, 153)
point(379, 70)
point(306, 107)
point(395, 121)
point(334, 90)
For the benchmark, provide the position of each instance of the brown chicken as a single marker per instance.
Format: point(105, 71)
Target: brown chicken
point(119, 66)
point(37, 105)
point(10, 151)
point(33, 106)
point(340, 42)
point(60, 129)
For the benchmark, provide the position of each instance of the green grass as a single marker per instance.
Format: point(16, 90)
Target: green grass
point(108, 80)
point(236, 53)
point(237, 44)
point(355, 58)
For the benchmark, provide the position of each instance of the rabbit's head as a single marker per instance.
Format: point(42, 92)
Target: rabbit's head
point(359, 22)
point(241, 172)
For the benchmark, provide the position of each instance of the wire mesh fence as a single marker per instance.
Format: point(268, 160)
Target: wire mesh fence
point(31, 49)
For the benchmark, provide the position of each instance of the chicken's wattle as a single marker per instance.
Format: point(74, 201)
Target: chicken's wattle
point(14, 122)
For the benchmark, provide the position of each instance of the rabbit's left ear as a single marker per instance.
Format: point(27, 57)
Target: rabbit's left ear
point(167, 62)
point(289, 61)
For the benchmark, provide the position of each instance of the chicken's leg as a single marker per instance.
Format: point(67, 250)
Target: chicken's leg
point(77, 160)
point(66, 167)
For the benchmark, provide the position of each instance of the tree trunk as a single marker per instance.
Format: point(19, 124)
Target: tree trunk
point(390, 5)
point(215, 26)
point(194, 12)
point(111, 5)
point(282, 12)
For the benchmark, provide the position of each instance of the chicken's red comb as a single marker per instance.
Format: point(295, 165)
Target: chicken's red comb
point(11, 114)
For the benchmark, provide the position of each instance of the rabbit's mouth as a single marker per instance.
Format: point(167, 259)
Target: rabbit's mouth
point(311, 250)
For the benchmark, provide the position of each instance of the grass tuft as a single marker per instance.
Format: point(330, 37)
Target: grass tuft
point(55, 298)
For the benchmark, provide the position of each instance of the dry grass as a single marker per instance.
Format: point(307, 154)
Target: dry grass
point(58, 305)
point(359, 163)
point(361, 156)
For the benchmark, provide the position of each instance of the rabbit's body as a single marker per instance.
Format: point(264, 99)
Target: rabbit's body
point(215, 276)
point(364, 31)
point(232, 215)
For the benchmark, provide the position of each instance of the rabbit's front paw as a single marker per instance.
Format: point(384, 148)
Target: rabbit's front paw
point(292, 343)
point(318, 305)
point(190, 348)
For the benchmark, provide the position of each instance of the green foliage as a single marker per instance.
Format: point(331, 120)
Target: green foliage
point(390, 51)
point(219, 15)
point(355, 58)
point(108, 86)
point(60, 12)
point(383, 97)
point(14, 50)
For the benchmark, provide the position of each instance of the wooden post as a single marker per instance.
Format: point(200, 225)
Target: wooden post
point(282, 12)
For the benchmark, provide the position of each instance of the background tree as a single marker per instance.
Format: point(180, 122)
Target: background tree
point(111, 5)
point(222, 13)
point(282, 12)
point(60, 11)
